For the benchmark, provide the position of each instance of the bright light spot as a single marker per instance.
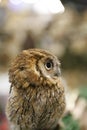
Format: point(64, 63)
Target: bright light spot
point(16, 2)
point(30, 1)
point(41, 6)
point(4, 84)
point(55, 6)
point(48, 6)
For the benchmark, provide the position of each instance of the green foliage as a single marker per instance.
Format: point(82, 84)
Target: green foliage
point(83, 92)
point(70, 123)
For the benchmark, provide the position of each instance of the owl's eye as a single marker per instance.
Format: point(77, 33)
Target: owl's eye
point(49, 65)
point(22, 68)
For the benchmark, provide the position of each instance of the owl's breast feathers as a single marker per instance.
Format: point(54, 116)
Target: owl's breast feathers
point(41, 106)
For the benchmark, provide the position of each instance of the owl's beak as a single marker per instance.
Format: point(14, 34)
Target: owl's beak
point(57, 73)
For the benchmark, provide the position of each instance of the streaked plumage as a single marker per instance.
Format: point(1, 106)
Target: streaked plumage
point(36, 99)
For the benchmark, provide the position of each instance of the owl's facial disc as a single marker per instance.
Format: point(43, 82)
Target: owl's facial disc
point(49, 67)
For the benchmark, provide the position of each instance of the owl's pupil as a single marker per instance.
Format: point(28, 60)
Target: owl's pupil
point(48, 65)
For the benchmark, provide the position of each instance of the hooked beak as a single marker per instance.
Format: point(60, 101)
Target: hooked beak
point(57, 73)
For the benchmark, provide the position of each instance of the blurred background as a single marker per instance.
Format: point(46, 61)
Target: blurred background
point(57, 26)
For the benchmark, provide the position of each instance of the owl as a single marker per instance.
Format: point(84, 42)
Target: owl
point(36, 99)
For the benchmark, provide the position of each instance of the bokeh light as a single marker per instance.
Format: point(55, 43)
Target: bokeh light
point(48, 6)
point(40, 6)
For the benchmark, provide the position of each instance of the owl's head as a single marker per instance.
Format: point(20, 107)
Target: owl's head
point(34, 66)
